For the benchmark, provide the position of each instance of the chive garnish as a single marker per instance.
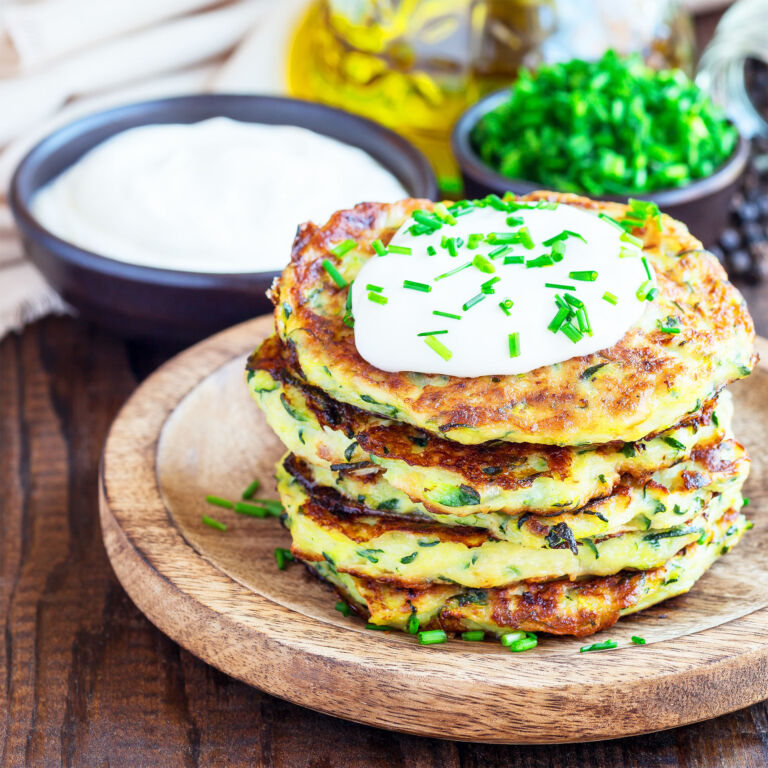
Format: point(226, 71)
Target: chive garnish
point(453, 271)
point(625, 237)
point(514, 221)
point(474, 240)
point(626, 253)
point(252, 510)
point(483, 263)
point(378, 246)
point(503, 238)
point(213, 523)
point(450, 245)
point(524, 644)
point(500, 251)
point(431, 250)
point(431, 333)
point(334, 273)
point(652, 294)
point(514, 344)
point(611, 298)
point(399, 249)
point(342, 248)
point(432, 637)
point(416, 286)
point(251, 490)
point(413, 624)
point(511, 637)
point(558, 251)
point(474, 635)
point(540, 261)
point(604, 646)
point(637, 640)
point(377, 298)
point(574, 334)
point(611, 220)
point(219, 502)
point(439, 347)
point(558, 319)
point(283, 557)
point(379, 627)
point(644, 290)
point(506, 305)
point(575, 302)
point(588, 275)
point(647, 268)
point(560, 287)
point(343, 608)
point(474, 300)
point(376, 288)
point(514, 259)
point(430, 222)
point(446, 314)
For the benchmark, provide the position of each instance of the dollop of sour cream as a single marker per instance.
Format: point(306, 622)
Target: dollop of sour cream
point(215, 196)
point(491, 309)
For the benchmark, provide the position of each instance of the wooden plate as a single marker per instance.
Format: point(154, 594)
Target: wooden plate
point(191, 429)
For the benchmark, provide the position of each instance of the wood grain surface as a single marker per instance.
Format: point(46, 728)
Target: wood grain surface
point(86, 680)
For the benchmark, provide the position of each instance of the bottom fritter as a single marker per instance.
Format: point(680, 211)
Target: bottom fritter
point(560, 607)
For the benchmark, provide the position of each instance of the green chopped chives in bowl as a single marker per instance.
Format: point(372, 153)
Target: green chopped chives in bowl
point(612, 126)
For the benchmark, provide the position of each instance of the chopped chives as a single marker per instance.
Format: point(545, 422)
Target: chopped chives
point(565, 234)
point(644, 290)
point(675, 443)
point(514, 259)
point(450, 245)
point(377, 298)
point(431, 333)
point(627, 253)
point(416, 286)
point(540, 261)
point(647, 268)
point(283, 557)
point(413, 624)
point(444, 214)
point(495, 202)
point(251, 489)
point(213, 523)
point(343, 608)
point(431, 250)
point(558, 251)
point(625, 237)
point(560, 287)
point(483, 263)
point(670, 330)
point(524, 644)
point(604, 646)
point(588, 275)
point(574, 334)
point(252, 510)
point(372, 287)
point(432, 637)
point(506, 305)
point(446, 314)
point(503, 238)
point(611, 298)
point(583, 320)
point(437, 346)
point(379, 627)
point(378, 246)
point(573, 301)
point(336, 276)
point(431, 222)
point(500, 251)
point(474, 240)
point(473, 635)
point(652, 294)
point(474, 300)
point(219, 502)
point(514, 344)
point(512, 637)
point(399, 249)
point(453, 271)
point(559, 319)
point(342, 248)
point(637, 640)
point(525, 238)
point(611, 220)
point(514, 221)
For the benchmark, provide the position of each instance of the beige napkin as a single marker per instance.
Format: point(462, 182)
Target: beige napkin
point(144, 50)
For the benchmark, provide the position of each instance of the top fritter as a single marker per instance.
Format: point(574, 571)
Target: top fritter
point(690, 338)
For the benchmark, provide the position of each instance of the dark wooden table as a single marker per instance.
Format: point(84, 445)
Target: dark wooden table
point(86, 680)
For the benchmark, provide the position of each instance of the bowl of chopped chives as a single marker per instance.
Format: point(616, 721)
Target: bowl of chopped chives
point(609, 129)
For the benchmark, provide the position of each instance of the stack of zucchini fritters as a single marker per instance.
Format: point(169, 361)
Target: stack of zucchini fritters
point(553, 501)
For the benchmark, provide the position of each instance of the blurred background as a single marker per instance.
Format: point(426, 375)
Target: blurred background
point(414, 66)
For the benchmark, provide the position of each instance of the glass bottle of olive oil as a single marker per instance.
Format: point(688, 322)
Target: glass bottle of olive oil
point(415, 65)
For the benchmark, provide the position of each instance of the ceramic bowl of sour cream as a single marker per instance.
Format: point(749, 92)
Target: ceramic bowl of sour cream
point(171, 218)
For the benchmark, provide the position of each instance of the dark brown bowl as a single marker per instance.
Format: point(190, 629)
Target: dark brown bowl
point(140, 301)
point(702, 205)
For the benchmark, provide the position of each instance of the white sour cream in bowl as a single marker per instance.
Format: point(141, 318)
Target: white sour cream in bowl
point(218, 196)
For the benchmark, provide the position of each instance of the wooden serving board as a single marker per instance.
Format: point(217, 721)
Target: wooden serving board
point(191, 429)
